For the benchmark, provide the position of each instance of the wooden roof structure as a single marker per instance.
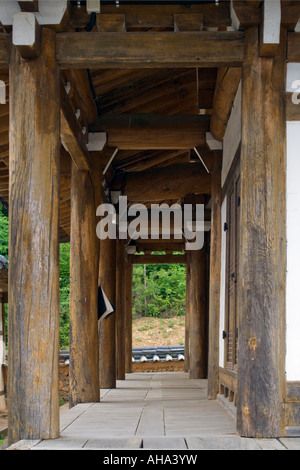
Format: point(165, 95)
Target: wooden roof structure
point(140, 109)
point(136, 100)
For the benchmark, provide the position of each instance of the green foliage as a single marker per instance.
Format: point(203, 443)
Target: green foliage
point(3, 232)
point(158, 290)
point(64, 284)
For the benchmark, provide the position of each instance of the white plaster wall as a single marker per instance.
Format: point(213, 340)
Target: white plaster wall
point(222, 282)
point(293, 253)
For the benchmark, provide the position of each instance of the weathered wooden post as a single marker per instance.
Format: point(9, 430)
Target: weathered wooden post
point(107, 327)
point(187, 312)
point(128, 315)
point(33, 407)
point(84, 267)
point(120, 308)
point(214, 279)
point(262, 259)
point(198, 315)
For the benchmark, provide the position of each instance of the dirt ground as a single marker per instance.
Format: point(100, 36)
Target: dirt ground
point(147, 331)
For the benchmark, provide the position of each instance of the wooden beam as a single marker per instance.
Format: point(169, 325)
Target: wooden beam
point(172, 182)
point(293, 47)
point(5, 47)
point(34, 268)
point(111, 23)
point(150, 131)
point(188, 22)
point(157, 259)
point(144, 50)
point(71, 133)
point(262, 257)
point(84, 365)
point(226, 87)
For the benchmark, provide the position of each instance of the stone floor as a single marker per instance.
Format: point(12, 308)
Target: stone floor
point(154, 411)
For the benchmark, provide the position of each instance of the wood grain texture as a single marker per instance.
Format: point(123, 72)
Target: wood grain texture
point(167, 183)
point(128, 315)
point(262, 261)
point(198, 315)
point(34, 266)
point(107, 327)
point(120, 308)
point(214, 278)
point(144, 50)
point(84, 362)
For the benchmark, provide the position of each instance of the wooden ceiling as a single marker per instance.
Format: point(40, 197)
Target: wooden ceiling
point(154, 117)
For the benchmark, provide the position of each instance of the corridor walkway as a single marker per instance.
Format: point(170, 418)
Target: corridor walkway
point(153, 411)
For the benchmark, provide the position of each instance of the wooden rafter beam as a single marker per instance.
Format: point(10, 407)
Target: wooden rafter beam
point(226, 87)
point(4, 51)
point(172, 182)
point(71, 133)
point(144, 50)
point(150, 131)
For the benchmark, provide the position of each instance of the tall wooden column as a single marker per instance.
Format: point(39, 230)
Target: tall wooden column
point(262, 259)
point(187, 312)
point(84, 354)
point(214, 279)
point(107, 327)
point(2, 350)
point(198, 315)
point(120, 309)
point(33, 407)
point(128, 315)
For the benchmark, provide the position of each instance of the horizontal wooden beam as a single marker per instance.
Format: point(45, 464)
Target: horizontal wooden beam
point(157, 259)
point(149, 131)
point(171, 182)
point(293, 47)
point(144, 50)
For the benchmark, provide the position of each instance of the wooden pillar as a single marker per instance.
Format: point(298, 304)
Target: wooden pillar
point(214, 279)
point(128, 315)
point(2, 351)
point(33, 406)
point(187, 312)
point(84, 355)
point(262, 258)
point(198, 316)
point(107, 327)
point(120, 309)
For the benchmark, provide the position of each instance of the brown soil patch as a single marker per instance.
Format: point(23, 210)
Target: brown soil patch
point(148, 331)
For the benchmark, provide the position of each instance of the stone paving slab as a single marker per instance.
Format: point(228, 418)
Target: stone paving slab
point(154, 411)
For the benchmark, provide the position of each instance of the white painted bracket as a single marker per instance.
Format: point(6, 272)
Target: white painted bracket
point(2, 92)
point(96, 142)
point(93, 6)
point(297, 27)
point(235, 23)
point(24, 29)
point(272, 21)
point(212, 143)
point(50, 11)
